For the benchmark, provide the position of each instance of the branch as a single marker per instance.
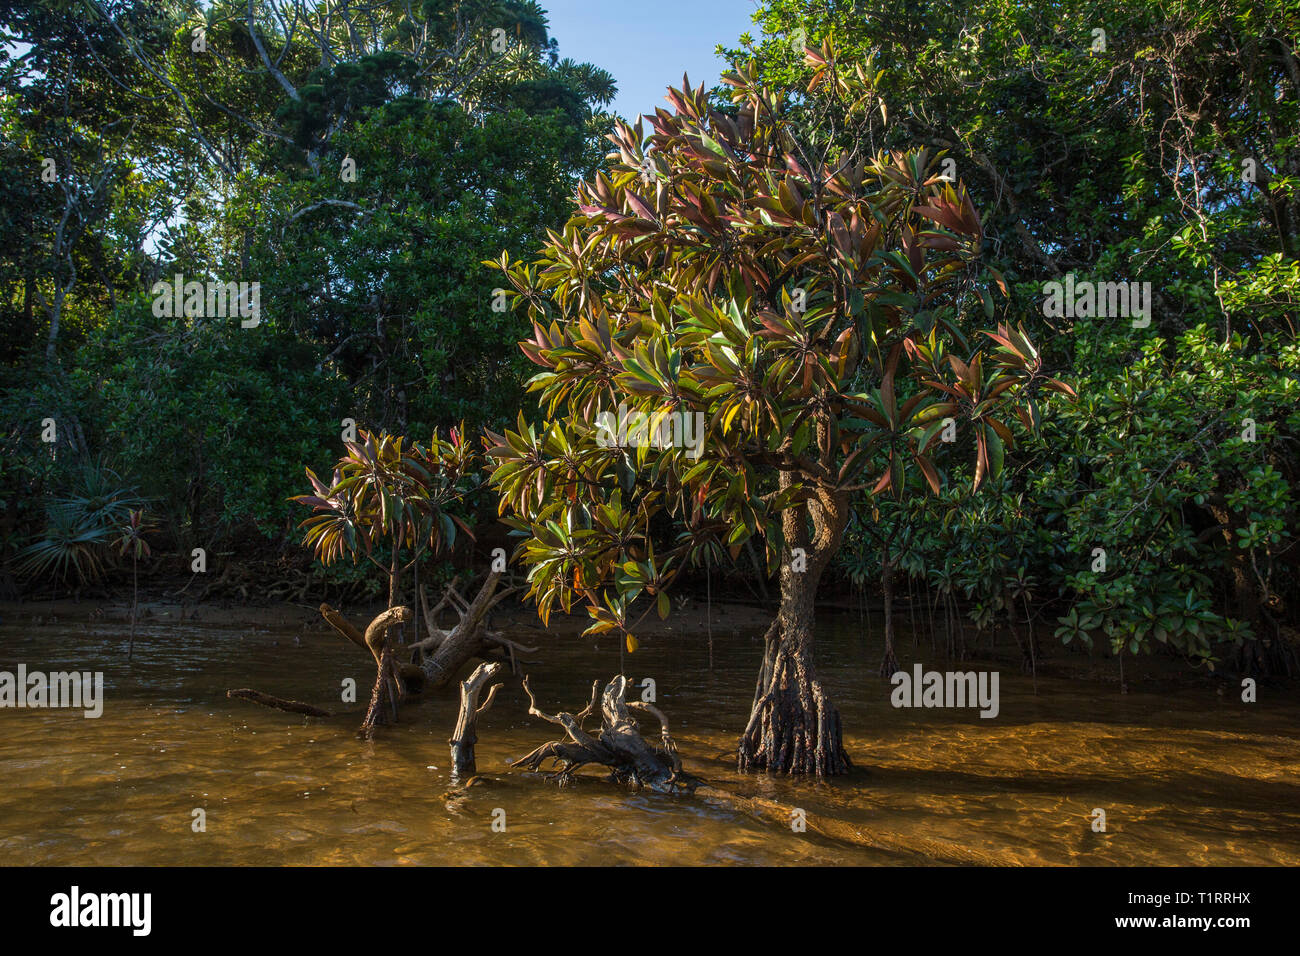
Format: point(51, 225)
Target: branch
point(266, 60)
point(375, 632)
point(430, 617)
point(336, 621)
point(279, 703)
point(317, 205)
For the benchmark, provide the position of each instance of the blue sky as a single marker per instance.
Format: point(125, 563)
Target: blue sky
point(648, 44)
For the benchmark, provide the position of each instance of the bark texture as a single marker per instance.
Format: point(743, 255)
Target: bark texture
point(617, 745)
point(465, 736)
point(442, 654)
point(794, 727)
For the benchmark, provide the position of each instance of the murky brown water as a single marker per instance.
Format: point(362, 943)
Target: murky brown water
point(1185, 776)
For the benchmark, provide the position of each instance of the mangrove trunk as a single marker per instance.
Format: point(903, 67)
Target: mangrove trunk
point(794, 727)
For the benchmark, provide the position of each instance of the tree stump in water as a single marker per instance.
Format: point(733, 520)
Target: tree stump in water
point(465, 735)
point(617, 745)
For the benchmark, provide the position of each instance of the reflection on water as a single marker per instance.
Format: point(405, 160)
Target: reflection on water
point(1184, 775)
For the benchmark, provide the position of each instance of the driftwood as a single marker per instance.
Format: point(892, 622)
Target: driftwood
point(617, 745)
point(435, 660)
point(444, 652)
point(631, 761)
point(279, 703)
point(465, 736)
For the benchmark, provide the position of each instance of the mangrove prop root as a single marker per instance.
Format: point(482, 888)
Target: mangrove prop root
point(465, 735)
point(617, 745)
point(279, 703)
point(793, 728)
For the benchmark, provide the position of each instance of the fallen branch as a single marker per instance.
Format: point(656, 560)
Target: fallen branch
point(337, 621)
point(279, 703)
point(617, 746)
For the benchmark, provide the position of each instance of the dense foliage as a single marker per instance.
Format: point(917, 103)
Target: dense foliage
point(356, 165)
point(361, 167)
point(1113, 142)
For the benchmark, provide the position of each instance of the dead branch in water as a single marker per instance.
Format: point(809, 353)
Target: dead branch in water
point(617, 745)
point(279, 703)
point(344, 627)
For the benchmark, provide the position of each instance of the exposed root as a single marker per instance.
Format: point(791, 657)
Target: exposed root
point(793, 727)
point(889, 663)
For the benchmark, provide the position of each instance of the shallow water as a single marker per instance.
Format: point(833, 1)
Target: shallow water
point(1186, 776)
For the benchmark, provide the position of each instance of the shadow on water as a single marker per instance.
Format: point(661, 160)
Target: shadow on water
point(1183, 774)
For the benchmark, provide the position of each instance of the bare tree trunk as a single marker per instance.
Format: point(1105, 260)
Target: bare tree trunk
point(415, 605)
point(950, 614)
point(383, 695)
point(929, 611)
point(911, 608)
point(1026, 653)
point(56, 313)
point(389, 689)
point(465, 736)
point(708, 610)
point(866, 608)
point(1033, 643)
point(394, 580)
point(793, 727)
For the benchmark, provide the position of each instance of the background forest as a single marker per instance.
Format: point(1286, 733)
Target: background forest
point(362, 161)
